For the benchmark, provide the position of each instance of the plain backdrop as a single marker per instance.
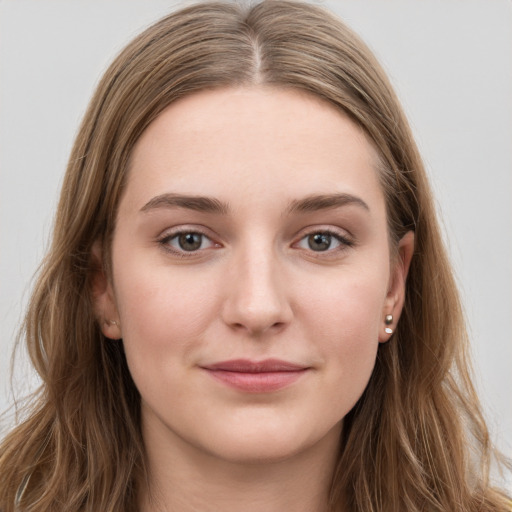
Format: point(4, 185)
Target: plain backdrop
point(450, 61)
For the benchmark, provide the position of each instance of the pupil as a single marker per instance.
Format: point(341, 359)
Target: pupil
point(319, 241)
point(190, 241)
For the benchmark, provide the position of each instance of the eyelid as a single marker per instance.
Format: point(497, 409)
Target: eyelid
point(171, 233)
point(345, 239)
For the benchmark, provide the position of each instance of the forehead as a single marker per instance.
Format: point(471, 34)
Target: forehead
point(260, 142)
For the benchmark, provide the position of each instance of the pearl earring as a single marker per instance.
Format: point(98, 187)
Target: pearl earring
point(388, 321)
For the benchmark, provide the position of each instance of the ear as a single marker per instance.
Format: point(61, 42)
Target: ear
point(396, 291)
point(103, 298)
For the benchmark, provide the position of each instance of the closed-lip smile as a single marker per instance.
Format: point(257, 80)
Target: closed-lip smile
point(256, 376)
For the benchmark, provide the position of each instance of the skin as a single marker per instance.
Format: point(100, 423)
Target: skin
point(254, 289)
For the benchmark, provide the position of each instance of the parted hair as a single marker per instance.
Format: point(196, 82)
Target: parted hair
point(416, 439)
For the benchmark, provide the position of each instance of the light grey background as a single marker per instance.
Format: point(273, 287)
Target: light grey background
point(450, 61)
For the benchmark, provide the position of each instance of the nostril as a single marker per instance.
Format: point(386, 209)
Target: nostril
point(256, 329)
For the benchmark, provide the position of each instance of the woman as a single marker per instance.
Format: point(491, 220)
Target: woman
point(247, 302)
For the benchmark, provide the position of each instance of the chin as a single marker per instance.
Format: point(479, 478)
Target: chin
point(261, 451)
point(270, 445)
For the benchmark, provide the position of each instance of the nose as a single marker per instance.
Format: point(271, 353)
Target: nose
point(256, 294)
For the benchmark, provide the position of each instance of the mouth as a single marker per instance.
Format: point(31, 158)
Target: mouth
point(256, 376)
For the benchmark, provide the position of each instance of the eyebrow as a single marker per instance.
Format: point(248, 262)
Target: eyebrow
point(325, 202)
point(211, 205)
point(197, 203)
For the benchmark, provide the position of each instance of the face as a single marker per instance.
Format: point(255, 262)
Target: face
point(251, 272)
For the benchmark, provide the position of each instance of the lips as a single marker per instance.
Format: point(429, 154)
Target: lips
point(256, 376)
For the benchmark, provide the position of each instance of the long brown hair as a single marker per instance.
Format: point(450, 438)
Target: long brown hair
point(405, 444)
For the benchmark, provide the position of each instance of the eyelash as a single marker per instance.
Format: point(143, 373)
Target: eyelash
point(164, 242)
point(344, 242)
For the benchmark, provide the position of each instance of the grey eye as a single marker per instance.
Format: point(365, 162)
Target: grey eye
point(320, 241)
point(323, 241)
point(190, 241)
point(187, 242)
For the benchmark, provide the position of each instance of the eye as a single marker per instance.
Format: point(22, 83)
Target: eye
point(187, 241)
point(323, 241)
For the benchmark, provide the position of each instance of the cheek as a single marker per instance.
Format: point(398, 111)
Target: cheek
point(348, 305)
point(343, 320)
point(164, 314)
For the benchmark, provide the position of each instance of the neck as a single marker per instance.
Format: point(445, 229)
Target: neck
point(183, 478)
